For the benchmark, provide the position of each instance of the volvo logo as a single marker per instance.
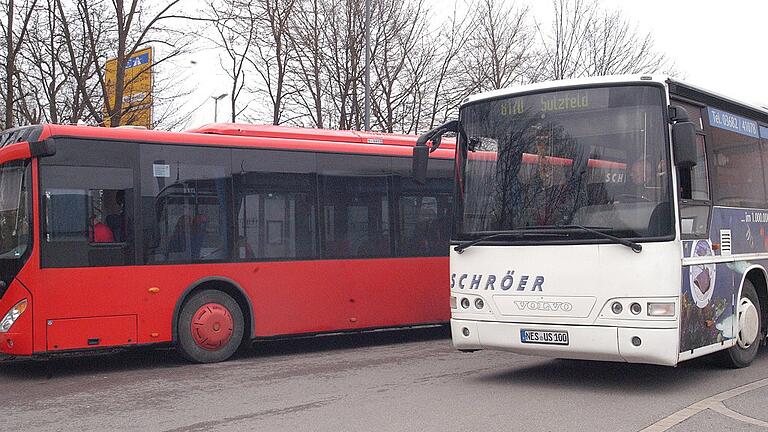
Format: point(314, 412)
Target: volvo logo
point(544, 306)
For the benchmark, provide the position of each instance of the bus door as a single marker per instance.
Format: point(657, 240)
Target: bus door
point(87, 250)
point(703, 311)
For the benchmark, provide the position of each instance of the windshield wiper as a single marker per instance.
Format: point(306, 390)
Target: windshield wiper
point(636, 247)
point(509, 233)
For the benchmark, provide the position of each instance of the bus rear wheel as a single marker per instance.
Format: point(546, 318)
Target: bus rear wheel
point(749, 329)
point(210, 327)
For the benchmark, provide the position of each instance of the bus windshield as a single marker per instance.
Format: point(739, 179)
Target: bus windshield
point(593, 157)
point(14, 222)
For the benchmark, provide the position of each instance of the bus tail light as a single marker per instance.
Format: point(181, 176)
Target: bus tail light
point(661, 309)
point(12, 316)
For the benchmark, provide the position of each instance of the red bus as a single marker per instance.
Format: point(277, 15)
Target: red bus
point(212, 238)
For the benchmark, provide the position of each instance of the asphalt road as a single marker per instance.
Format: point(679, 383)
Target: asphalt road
point(390, 381)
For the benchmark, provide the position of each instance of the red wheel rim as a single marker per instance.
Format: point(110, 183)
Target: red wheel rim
point(212, 326)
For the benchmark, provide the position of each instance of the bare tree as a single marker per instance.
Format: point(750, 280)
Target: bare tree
point(499, 49)
point(308, 62)
point(274, 52)
point(344, 40)
point(614, 46)
point(444, 86)
point(235, 24)
point(585, 40)
point(563, 50)
point(398, 30)
point(47, 91)
point(116, 30)
point(14, 37)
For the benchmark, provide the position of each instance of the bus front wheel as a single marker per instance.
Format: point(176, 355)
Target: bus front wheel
point(749, 331)
point(210, 327)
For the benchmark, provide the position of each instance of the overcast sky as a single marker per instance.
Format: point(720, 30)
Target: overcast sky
point(715, 44)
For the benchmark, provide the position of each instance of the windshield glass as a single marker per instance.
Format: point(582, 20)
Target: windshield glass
point(593, 157)
point(14, 214)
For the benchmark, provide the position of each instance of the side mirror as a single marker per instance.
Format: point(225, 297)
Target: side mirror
point(684, 144)
point(421, 151)
point(420, 160)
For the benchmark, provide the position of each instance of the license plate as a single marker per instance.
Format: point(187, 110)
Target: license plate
point(544, 337)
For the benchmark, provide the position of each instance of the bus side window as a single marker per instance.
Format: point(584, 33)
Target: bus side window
point(86, 216)
point(275, 201)
point(423, 210)
point(355, 206)
point(186, 206)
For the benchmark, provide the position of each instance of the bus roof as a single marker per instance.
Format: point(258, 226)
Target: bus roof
point(270, 131)
point(257, 136)
point(575, 82)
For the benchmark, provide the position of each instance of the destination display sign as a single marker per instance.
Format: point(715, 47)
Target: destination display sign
point(556, 102)
point(732, 122)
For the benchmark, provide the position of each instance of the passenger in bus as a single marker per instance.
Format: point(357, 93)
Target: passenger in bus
point(546, 193)
point(640, 172)
point(644, 180)
point(101, 232)
point(117, 221)
point(178, 240)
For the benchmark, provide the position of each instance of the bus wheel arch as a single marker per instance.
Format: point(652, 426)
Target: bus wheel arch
point(752, 303)
point(221, 293)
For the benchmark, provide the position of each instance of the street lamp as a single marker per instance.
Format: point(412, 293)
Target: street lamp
point(216, 100)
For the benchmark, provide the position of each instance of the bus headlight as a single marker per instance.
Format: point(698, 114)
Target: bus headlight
point(661, 309)
point(12, 316)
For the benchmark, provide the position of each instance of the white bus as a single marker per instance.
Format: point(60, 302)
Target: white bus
point(611, 218)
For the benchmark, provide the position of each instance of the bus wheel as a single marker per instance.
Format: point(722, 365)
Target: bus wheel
point(749, 331)
point(210, 327)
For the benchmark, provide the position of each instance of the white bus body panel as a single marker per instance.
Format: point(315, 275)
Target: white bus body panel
point(579, 283)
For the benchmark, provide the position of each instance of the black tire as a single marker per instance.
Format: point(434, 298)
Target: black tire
point(739, 355)
point(189, 345)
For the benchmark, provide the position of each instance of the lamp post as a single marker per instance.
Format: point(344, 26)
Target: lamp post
point(216, 100)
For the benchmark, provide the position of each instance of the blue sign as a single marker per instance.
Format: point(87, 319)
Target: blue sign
point(137, 61)
point(764, 132)
point(732, 122)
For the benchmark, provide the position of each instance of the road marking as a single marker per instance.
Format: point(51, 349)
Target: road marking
point(715, 403)
point(724, 410)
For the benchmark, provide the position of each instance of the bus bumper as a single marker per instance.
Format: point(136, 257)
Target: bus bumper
point(656, 346)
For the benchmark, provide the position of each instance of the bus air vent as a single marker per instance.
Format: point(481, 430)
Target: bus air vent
point(725, 242)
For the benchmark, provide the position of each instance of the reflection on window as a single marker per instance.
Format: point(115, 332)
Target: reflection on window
point(422, 228)
point(190, 219)
point(694, 220)
point(699, 176)
point(66, 214)
point(737, 171)
point(275, 225)
point(87, 216)
point(594, 157)
point(186, 204)
point(95, 215)
point(355, 217)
